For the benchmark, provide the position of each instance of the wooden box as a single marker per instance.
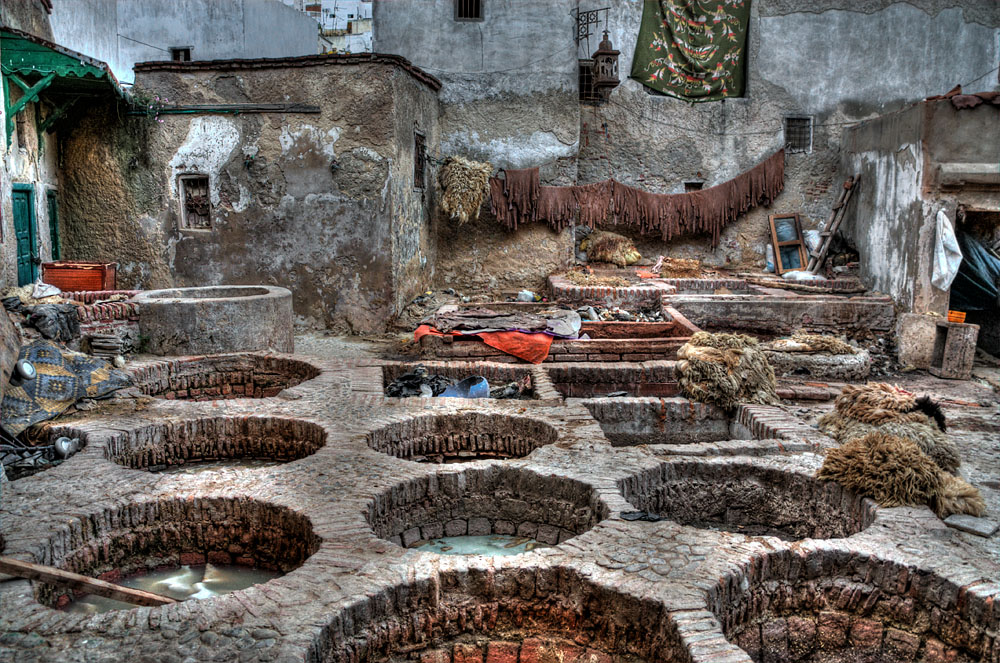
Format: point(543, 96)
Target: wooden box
point(70, 276)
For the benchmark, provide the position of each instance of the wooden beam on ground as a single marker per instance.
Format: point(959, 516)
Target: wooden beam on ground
point(75, 581)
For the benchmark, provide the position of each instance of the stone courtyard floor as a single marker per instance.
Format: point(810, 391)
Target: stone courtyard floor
point(843, 580)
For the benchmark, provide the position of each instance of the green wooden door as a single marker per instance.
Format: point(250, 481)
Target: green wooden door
point(24, 231)
point(51, 199)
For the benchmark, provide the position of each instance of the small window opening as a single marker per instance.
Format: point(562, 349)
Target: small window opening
point(196, 207)
point(468, 10)
point(419, 159)
point(179, 54)
point(588, 93)
point(693, 185)
point(798, 134)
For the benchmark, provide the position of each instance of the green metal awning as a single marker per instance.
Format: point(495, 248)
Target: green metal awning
point(38, 66)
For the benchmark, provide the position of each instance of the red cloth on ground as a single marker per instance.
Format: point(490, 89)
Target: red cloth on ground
point(533, 348)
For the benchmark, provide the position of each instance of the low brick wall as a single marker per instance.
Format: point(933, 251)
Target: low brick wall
point(644, 294)
point(754, 500)
point(587, 380)
point(476, 613)
point(471, 436)
point(139, 537)
point(851, 606)
point(217, 377)
point(480, 502)
point(212, 438)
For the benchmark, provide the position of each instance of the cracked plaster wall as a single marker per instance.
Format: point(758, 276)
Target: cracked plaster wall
point(303, 201)
point(839, 61)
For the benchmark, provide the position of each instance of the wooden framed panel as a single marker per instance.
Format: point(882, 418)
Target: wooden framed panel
point(786, 238)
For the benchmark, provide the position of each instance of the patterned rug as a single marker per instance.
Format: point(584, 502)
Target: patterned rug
point(63, 378)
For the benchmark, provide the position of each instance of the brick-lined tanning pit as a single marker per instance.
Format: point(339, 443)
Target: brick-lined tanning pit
point(748, 499)
point(633, 421)
point(532, 615)
point(172, 443)
point(496, 373)
point(450, 438)
point(134, 539)
point(840, 607)
point(480, 502)
point(218, 377)
point(586, 380)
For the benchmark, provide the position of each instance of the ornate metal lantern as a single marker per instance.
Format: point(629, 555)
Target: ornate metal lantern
point(605, 67)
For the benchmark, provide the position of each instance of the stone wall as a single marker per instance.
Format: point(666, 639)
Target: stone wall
point(321, 203)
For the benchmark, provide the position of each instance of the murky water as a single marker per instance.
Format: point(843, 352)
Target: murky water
point(184, 583)
point(493, 545)
point(203, 466)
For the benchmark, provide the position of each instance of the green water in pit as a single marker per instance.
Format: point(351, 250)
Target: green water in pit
point(492, 545)
point(206, 466)
point(184, 583)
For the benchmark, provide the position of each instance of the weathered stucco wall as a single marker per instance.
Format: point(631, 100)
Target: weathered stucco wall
point(123, 32)
point(839, 61)
point(30, 159)
point(303, 201)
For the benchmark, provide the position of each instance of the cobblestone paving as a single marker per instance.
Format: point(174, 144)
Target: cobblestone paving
point(354, 576)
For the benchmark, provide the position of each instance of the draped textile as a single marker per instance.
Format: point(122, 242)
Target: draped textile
point(609, 202)
point(519, 200)
point(692, 49)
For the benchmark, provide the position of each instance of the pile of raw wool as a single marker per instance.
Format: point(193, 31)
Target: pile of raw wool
point(726, 369)
point(813, 343)
point(464, 185)
point(895, 450)
point(610, 247)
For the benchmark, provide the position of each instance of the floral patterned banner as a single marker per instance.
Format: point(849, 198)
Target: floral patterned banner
point(692, 49)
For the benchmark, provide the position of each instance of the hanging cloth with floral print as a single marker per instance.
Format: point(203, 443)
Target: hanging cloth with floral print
point(693, 49)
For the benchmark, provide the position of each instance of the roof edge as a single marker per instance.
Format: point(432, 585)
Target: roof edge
point(295, 61)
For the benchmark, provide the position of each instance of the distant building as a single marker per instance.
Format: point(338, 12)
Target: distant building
point(345, 25)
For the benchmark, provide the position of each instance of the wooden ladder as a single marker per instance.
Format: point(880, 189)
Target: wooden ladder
point(816, 258)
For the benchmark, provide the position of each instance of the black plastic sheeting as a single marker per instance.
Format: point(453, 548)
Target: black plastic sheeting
point(976, 284)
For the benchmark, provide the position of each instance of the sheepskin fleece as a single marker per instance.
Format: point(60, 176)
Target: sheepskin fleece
point(955, 495)
point(464, 185)
point(889, 469)
point(610, 247)
point(820, 343)
point(726, 369)
point(874, 402)
point(914, 426)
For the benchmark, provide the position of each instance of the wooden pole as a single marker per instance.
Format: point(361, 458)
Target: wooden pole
point(69, 580)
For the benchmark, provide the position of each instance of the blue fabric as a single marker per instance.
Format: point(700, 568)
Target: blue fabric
point(975, 285)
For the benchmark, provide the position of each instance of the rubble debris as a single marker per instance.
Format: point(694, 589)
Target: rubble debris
point(582, 278)
point(518, 389)
point(603, 246)
point(726, 369)
point(464, 185)
point(679, 268)
point(419, 382)
point(56, 322)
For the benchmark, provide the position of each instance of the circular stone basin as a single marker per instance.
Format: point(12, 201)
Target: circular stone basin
point(449, 438)
point(747, 499)
point(834, 607)
point(222, 377)
point(172, 443)
point(139, 538)
point(483, 502)
point(535, 615)
point(215, 320)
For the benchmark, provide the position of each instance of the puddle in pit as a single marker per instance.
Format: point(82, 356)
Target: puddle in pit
point(203, 466)
point(186, 582)
point(493, 545)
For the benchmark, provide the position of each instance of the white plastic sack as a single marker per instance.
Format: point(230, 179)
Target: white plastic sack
point(947, 254)
point(769, 259)
point(799, 275)
point(813, 239)
point(44, 290)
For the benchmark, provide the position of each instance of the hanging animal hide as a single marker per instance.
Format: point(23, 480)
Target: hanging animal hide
point(464, 183)
point(519, 199)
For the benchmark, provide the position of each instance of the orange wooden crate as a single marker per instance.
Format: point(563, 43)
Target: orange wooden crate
point(956, 316)
point(71, 276)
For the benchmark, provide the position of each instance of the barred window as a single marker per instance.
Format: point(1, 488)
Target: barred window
point(468, 10)
point(798, 134)
point(419, 159)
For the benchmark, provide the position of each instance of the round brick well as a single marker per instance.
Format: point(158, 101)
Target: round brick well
point(134, 539)
point(449, 438)
point(219, 377)
point(171, 443)
point(748, 499)
point(481, 502)
point(509, 615)
point(842, 607)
